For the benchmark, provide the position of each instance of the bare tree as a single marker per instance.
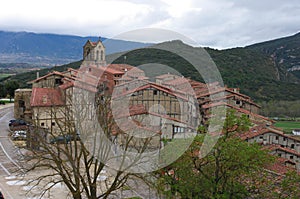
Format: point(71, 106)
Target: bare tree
point(61, 156)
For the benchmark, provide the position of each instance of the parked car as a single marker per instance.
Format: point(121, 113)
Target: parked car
point(17, 122)
point(19, 135)
point(17, 125)
point(61, 139)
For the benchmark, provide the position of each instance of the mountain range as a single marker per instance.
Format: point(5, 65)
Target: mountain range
point(52, 49)
point(265, 71)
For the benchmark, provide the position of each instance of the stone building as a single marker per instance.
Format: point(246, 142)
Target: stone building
point(279, 144)
point(22, 107)
point(48, 109)
point(171, 113)
point(94, 53)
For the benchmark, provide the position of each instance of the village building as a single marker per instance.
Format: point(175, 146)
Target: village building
point(48, 109)
point(278, 143)
point(22, 108)
point(172, 113)
point(170, 107)
point(94, 53)
point(296, 132)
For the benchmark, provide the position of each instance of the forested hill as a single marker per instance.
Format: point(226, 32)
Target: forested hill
point(250, 69)
point(285, 54)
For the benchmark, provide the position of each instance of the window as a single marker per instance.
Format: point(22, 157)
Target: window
point(42, 124)
point(155, 92)
point(58, 81)
point(284, 139)
point(292, 146)
point(53, 123)
point(97, 56)
point(175, 129)
point(102, 55)
point(276, 138)
point(279, 154)
point(21, 103)
point(238, 102)
point(261, 137)
point(178, 129)
point(291, 157)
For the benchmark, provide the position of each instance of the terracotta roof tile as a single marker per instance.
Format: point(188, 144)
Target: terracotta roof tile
point(121, 67)
point(46, 97)
point(165, 76)
point(279, 166)
point(50, 74)
point(177, 81)
point(275, 147)
point(241, 110)
point(262, 129)
point(156, 86)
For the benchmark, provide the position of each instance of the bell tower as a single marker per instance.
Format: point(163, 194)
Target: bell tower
point(94, 53)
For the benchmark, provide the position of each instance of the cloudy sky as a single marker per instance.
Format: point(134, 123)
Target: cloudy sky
point(214, 23)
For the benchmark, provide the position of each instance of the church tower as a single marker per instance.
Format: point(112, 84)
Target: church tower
point(94, 53)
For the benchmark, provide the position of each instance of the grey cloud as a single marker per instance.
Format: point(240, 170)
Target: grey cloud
point(215, 23)
point(226, 24)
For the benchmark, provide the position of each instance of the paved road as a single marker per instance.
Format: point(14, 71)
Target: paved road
point(8, 155)
point(8, 152)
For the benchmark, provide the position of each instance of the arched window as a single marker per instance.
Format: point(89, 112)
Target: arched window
point(98, 56)
point(87, 55)
point(102, 54)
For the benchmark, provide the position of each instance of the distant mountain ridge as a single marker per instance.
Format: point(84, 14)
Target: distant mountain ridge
point(52, 49)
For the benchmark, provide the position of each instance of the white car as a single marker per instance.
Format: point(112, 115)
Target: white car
point(19, 135)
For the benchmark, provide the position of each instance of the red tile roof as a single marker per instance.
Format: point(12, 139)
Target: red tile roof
point(241, 110)
point(164, 76)
point(177, 81)
point(274, 147)
point(66, 85)
point(44, 97)
point(279, 166)
point(121, 67)
point(262, 129)
point(210, 90)
point(113, 71)
point(156, 86)
point(50, 74)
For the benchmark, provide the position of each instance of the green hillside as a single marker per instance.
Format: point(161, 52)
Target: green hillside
point(285, 53)
point(247, 69)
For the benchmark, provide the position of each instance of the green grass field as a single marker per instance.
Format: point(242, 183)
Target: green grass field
point(288, 126)
point(3, 75)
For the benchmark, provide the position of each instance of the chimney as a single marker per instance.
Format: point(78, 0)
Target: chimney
point(37, 74)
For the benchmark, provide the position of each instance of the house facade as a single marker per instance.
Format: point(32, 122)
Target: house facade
point(279, 144)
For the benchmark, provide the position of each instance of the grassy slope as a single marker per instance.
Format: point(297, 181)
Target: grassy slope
point(288, 126)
